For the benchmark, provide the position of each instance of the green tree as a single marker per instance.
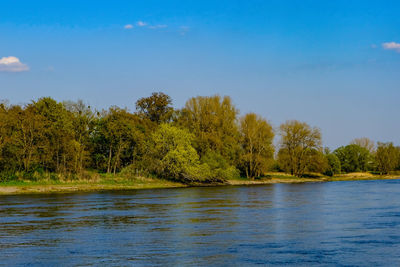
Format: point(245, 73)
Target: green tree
point(213, 122)
point(119, 138)
point(353, 158)
point(386, 157)
point(157, 107)
point(220, 168)
point(172, 154)
point(3, 132)
point(334, 166)
point(57, 154)
point(298, 144)
point(83, 123)
point(256, 141)
point(28, 136)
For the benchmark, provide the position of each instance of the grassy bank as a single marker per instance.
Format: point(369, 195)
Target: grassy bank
point(111, 182)
point(100, 184)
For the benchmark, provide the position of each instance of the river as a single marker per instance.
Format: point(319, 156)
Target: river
point(353, 223)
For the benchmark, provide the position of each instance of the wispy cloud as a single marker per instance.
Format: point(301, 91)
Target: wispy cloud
point(12, 64)
point(128, 26)
point(184, 29)
point(391, 46)
point(141, 23)
point(159, 26)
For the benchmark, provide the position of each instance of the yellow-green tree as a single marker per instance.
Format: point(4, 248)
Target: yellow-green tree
point(213, 121)
point(57, 154)
point(297, 145)
point(256, 141)
point(171, 153)
point(386, 157)
point(83, 123)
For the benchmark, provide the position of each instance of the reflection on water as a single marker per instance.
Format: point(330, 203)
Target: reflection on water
point(341, 223)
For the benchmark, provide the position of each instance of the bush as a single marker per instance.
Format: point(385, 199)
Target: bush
point(219, 167)
point(7, 176)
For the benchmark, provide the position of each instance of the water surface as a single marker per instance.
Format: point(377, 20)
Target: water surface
point(330, 224)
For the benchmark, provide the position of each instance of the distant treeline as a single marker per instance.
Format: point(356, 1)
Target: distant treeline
point(206, 141)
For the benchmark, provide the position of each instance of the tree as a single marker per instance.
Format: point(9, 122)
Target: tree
point(298, 140)
point(256, 141)
point(333, 166)
point(353, 158)
point(398, 158)
point(172, 153)
point(119, 137)
point(386, 157)
point(157, 107)
point(3, 130)
point(83, 122)
point(58, 152)
point(28, 136)
point(365, 143)
point(213, 122)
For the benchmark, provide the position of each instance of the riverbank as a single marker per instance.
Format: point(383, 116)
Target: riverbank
point(122, 183)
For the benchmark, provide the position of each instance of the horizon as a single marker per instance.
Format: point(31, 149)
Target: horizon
point(331, 65)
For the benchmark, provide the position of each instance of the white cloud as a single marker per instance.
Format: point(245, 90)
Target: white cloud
point(160, 26)
point(391, 46)
point(141, 23)
point(128, 26)
point(12, 64)
point(184, 29)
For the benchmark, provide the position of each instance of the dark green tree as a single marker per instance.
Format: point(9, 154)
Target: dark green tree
point(353, 158)
point(157, 107)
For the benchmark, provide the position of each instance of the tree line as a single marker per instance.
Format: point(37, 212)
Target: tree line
point(205, 141)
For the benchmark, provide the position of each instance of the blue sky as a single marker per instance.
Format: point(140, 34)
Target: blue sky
point(333, 64)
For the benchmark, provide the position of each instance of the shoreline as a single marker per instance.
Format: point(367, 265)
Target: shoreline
point(46, 187)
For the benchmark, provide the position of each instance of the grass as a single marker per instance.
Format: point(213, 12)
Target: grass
point(100, 182)
point(96, 183)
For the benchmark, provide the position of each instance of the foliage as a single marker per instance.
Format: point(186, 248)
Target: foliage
point(219, 166)
point(334, 166)
point(157, 107)
point(353, 158)
point(172, 153)
point(299, 143)
point(213, 122)
point(119, 139)
point(387, 157)
point(205, 142)
point(256, 141)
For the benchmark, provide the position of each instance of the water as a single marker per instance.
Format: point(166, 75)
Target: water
point(329, 224)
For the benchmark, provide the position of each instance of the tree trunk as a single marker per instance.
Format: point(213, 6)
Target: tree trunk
point(109, 160)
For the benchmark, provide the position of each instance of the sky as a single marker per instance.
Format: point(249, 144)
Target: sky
point(332, 64)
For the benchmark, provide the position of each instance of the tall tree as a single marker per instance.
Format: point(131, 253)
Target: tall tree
point(298, 140)
point(57, 154)
point(83, 122)
point(119, 138)
point(213, 121)
point(386, 157)
point(157, 107)
point(256, 140)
